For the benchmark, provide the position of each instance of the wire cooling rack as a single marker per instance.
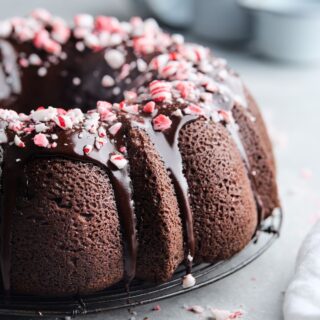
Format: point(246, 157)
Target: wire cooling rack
point(140, 292)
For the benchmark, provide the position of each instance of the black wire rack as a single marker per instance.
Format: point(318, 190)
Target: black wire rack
point(140, 292)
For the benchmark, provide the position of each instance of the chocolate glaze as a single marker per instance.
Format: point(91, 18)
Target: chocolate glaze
point(166, 143)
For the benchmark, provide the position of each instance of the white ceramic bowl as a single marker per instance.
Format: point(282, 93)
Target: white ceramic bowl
point(221, 20)
point(175, 13)
point(286, 30)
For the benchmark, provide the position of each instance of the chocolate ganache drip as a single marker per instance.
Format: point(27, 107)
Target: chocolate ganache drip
point(160, 82)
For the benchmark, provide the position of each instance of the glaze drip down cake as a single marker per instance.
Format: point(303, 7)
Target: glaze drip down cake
point(125, 153)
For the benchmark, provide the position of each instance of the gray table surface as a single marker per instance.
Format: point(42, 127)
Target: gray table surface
point(289, 97)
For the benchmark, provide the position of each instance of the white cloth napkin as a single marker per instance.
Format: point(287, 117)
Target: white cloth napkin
point(302, 299)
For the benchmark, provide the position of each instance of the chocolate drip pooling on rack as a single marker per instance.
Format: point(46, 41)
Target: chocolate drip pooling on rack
point(71, 147)
point(166, 144)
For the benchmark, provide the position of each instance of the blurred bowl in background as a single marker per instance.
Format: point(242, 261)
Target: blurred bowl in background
point(286, 30)
point(218, 20)
point(221, 20)
point(174, 13)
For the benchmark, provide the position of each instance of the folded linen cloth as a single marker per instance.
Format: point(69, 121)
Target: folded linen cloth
point(302, 299)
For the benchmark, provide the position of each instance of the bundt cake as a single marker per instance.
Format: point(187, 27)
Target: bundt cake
point(125, 152)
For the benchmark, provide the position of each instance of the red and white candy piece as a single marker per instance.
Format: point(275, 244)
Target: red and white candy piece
point(42, 15)
point(161, 122)
point(87, 148)
point(42, 114)
point(193, 52)
point(34, 59)
point(107, 81)
point(130, 96)
point(193, 109)
point(5, 28)
point(41, 140)
point(60, 31)
point(159, 62)
point(108, 116)
point(63, 122)
point(4, 137)
point(15, 125)
point(84, 21)
point(115, 128)
point(114, 58)
point(103, 106)
point(186, 89)
point(169, 69)
point(225, 115)
point(42, 41)
point(123, 149)
point(131, 108)
point(125, 71)
point(119, 160)
point(18, 142)
point(177, 113)
point(102, 132)
point(99, 142)
point(212, 87)
point(144, 45)
point(160, 91)
point(149, 107)
point(107, 24)
point(41, 127)
point(141, 65)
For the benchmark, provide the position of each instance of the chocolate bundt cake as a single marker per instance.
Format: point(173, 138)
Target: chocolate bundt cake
point(125, 152)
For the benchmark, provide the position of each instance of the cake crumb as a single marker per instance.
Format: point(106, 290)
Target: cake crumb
point(156, 308)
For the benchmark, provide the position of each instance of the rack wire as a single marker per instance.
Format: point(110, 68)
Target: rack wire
point(140, 292)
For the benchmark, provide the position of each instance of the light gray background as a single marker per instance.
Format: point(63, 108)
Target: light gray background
point(289, 97)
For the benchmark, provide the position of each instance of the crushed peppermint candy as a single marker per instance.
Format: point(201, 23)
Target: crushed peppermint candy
point(41, 140)
point(42, 72)
point(115, 128)
point(63, 121)
point(193, 109)
point(87, 148)
point(220, 314)
point(160, 91)
point(114, 58)
point(5, 28)
point(161, 122)
point(188, 281)
point(18, 142)
point(41, 127)
point(84, 21)
point(107, 81)
point(179, 78)
point(149, 107)
point(119, 160)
